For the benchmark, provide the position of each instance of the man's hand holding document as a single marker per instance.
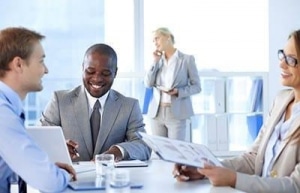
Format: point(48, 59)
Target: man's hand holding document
point(181, 152)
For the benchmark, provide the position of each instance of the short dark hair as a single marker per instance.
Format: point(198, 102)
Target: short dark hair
point(104, 49)
point(16, 41)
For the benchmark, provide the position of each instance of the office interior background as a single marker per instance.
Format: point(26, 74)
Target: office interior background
point(234, 42)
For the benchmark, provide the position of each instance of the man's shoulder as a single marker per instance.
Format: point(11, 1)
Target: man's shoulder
point(68, 92)
point(120, 96)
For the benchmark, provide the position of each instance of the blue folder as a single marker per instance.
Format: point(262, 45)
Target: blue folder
point(92, 185)
point(147, 98)
point(254, 122)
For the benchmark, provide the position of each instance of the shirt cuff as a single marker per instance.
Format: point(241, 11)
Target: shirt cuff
point(122, 151)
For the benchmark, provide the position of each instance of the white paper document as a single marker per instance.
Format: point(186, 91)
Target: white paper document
point(131, 163)
point(84, 166)
point(163, 88)
point(180, 151)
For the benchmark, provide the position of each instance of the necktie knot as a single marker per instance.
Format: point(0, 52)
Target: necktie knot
point(97, 105)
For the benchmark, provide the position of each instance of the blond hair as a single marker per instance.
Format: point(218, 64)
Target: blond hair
point(295, 137)
point(166, 32)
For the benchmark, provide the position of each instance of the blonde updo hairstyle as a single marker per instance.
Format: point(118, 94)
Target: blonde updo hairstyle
point(166, 32)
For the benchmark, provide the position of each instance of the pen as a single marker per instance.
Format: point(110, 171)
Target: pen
point(76, 152)
point(176, 174)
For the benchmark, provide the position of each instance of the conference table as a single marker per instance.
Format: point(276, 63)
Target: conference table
point(157, 177)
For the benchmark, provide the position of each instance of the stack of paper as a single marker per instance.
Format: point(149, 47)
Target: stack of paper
point(131, 163)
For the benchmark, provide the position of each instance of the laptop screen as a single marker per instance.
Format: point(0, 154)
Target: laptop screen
point(51, 139)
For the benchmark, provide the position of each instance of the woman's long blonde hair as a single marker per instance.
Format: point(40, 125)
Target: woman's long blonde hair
point(295, 137)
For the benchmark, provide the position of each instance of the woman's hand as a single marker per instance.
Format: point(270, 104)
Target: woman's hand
point(174, 91)
point(157, 55)
point(186, 173)
point(219, 176)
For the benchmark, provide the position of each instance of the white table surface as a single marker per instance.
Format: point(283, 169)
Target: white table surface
point(157, 178)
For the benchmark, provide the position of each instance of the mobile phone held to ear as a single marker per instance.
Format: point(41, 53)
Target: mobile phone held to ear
point(157, 52)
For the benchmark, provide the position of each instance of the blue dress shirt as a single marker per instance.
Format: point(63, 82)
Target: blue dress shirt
point(19, 154)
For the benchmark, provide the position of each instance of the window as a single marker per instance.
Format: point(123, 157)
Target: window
point(70, 28)
point(230, 36)
point(227, 35)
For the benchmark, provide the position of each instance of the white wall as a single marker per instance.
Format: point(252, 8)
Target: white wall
point(284, 17)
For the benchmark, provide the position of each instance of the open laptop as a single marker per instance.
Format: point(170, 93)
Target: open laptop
point(51, 139)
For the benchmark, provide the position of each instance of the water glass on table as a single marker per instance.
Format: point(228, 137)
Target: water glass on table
point(104, 163)
point(118, 181)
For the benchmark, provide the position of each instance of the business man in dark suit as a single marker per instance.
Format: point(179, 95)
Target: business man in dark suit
point(120, 116)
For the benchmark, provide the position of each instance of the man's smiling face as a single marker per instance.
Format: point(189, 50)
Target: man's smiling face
point(98, 74)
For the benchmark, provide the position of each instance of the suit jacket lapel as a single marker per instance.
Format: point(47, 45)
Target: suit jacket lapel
point(107, 120)
point(177, 68)
point(277, 112)
point(294, 127)
point(81, 111)
point(158, 80)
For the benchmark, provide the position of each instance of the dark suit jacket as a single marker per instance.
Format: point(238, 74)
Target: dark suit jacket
point(121, 118)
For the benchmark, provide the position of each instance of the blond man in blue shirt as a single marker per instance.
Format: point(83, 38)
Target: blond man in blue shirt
point(21, 69)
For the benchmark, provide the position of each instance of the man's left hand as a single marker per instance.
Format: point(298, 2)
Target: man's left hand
point(116, 151)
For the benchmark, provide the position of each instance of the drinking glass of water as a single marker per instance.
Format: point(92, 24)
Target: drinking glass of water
point(118, 181)
point(104, 163)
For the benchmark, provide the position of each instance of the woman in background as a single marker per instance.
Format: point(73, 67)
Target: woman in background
point(174, 78)
point(272, 164)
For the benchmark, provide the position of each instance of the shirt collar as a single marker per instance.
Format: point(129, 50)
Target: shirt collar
point(175, 55)
point(92, 100)
point(12, 97)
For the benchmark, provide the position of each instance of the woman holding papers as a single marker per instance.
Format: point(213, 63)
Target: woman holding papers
point(174, 78)
point(272, 163)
